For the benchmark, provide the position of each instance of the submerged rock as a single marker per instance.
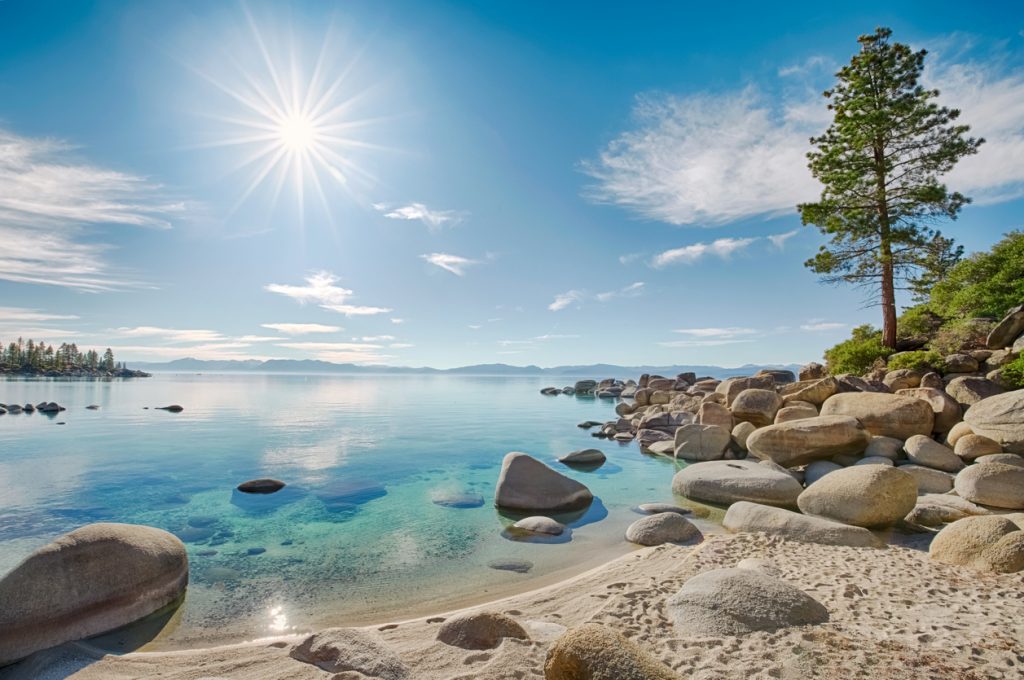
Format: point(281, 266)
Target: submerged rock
point(595, 652)
point(655, 508)
point(265, 485)
point(583, 457)
point(540, 525)
point(511, 564)
point(89, 581)
point(480, 630)
point(458, 500)
point(525, 483)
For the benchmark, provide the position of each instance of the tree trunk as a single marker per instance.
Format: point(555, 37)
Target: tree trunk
point(888, 295)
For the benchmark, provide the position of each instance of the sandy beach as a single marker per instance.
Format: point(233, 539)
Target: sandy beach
point(893, 614)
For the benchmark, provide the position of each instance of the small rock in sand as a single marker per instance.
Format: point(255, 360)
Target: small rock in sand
point(345, 650)
point(596, 652)
point(481, 630)
point(663, 527)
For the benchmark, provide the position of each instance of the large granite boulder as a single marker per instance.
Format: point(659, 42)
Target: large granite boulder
point(344, 650)
point(736, 601)
point(797, 410)
point(812, 371)
point(525, 483)
point(701, 442)
point(1000, 418)
point(480, 630)
point(814, 392)
point(756, 406)
point(923, 450)
point(819, 469)
point(930, 480)
point(974, 446)
point(753, 517)
point(727, 481)
point(968, 390)
point(710, 413)
point(799, 442)
point(86, 582)
point(995, 484)
point(663, 527)
point(731, 387)
point(947, 411)
point(887, 415)
point(864, 496)
point(887, 447)
point(595, 652)
point(992, 543)
point(1007, 330)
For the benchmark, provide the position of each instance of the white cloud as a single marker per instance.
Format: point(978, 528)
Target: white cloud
point(701, 343)
point(632, 290)
point(779, 240)
point(170, 335)
point(819, 325)
point(456, 264)
point(723, 248)
point(475, 327)
point(330, 346)
point(714, 158)
point(341, 352)
point(48, 198)
point(397, 321)
point(629, 258)
point(258, 338)
point(301, 328)
point(563, 300)
point(21, 314)
point(729, 332)
point(207, 351)
point(400, 345)
point(433, 219)
point(374, 338)
point(320, 289)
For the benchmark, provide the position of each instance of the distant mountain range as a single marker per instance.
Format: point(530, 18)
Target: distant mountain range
point(314, 366)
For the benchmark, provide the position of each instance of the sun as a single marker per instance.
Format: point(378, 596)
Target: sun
point(298, 134)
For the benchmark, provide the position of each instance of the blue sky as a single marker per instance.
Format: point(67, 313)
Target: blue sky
point(451, 183)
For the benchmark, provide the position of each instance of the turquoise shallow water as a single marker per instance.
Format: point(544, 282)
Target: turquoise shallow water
point(355, 536)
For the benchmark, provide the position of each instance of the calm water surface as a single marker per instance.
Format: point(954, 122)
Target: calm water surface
point(355, 536)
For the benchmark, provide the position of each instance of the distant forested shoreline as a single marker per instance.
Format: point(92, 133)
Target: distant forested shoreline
point(34, 358)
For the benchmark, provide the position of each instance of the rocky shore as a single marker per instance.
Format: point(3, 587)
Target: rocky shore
point(71, 372)
point(876, 530)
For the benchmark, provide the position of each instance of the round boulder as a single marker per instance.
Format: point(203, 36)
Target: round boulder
point(89, 581)
point(481, 630)
point(740, 601)
point(990, 543)
point(973, 446)
point(887, 415)
point(946, 409)
point(922, 450)
point(798, 411)
point(862, 495)
point(1000, 418)
point(583, 457)
point(594, 652)
point(261, 486)
point(742, 432)
point(664, 527)
point(968, 390)
point(525, 483)
point(930, 480)
point(887, 447)
point(799, 442)
point(701, 442)
point(995, 484)
point(756, 406)
point(540, 525)
point(752, 518)
point(725, 482)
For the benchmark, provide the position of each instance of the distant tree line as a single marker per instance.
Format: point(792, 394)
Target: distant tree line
point(33, 355)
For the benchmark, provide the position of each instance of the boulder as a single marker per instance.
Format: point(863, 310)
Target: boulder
point(731, 387)
point(932, 379)
point(539, 524)
point(968, 390)
point(799, 442)
point(875, 460)
point(527, 484)
point(952, 501)
point(961, 363)
point(741, 433)
point(663, 527)
point(86, 582)
point(887, 415)
point(261, 486)
point(1004, 458)
point(812, 371)
point(930, 480)
point(1000, 418)
point(992, 543)
point(584, 386)
point(923, 450)
point(865, 496)
point(752, 517)
point(711, 413)
point(902, 378)
point(887, 447)
point(956, 432)
point(736, 601)
point(995, 484)
point(480, 630)
point(701, 442)
point(946, 409)
point(595, 652)
point(173, 408)
point(796, 411)
point(655, 508)
point(725, 482)
point(756, 406)
point(342, 650)
point(814, 393)
point(819, 469)
point(457, 499)
point(583, 457)
point(1007, 330)
point(972, 446)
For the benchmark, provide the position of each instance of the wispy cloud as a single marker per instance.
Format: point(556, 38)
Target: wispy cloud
point(563, 300)
point(374, 338)
point(301, 328)
point(779, 240)
point(723, 248)
point(170, 335)
point(23, 314)
point(714, 158)
point(720, 333)
point(629, 258)
point(632, 290)
point(397, 321)
point(821, 325)
point(702, 343)
point(341, 352)
point(400, 345)
point(537, 339)
point(48, 199)
point(456, 264)
point(433, 219)
point(320, 289)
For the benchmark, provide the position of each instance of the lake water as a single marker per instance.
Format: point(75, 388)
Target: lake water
point(355, 537)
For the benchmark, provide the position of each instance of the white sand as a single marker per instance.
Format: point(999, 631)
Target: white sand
point(894, 614)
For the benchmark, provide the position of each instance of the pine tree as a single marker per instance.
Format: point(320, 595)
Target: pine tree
point(880, 162)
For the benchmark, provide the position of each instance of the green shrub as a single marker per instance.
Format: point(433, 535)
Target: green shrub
point(918, 321)
point(961, 334)
point(1013, 373)
point(985, 284)
point(917, 361)
point(859, 354)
